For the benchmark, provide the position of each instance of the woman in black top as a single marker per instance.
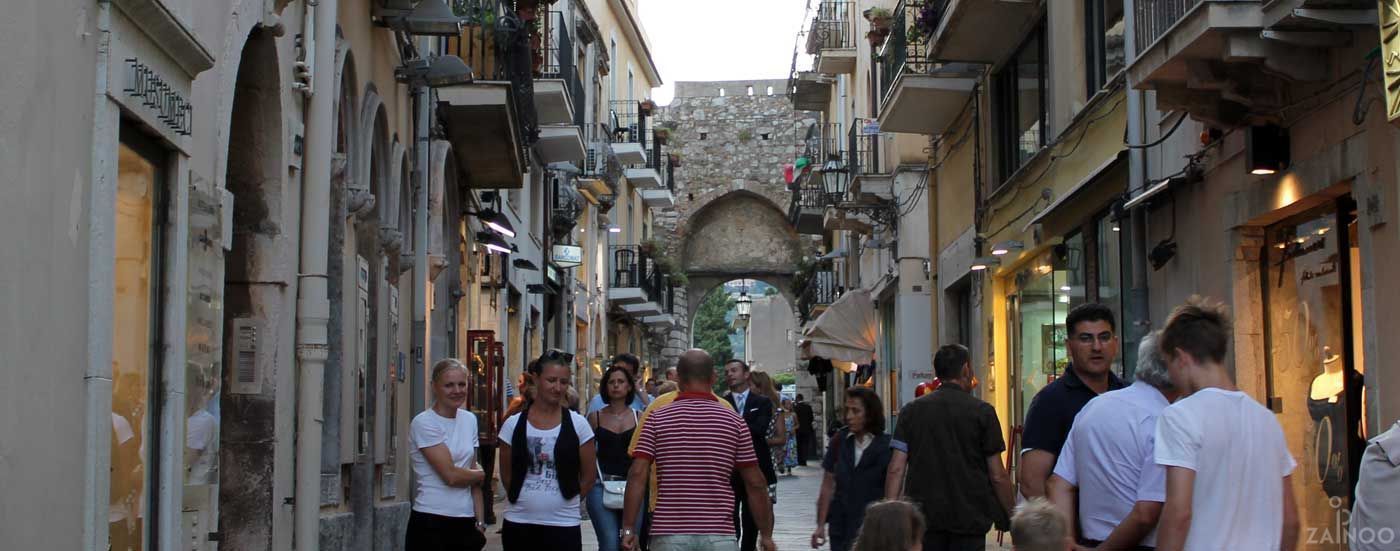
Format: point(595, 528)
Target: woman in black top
point(613, 427)
point(855, 464)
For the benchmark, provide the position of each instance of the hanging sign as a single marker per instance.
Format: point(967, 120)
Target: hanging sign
point(567, 256)
point(1390, 57)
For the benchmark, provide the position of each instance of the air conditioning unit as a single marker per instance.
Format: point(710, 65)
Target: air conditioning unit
point(597, 159)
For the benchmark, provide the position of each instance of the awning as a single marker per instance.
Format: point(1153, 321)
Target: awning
point(846, 332)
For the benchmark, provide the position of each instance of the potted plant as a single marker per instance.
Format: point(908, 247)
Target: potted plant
point(879, 18)
point(647, 106)
point(662, 135)
point(877, 38)
point(675, 159)
point(926, 21)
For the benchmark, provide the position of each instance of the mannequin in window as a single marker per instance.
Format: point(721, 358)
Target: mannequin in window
point(1328, 409)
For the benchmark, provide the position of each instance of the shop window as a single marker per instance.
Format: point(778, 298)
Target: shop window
point(1103, 42)
point(135, 332)
point(1111, 285)
point(1019, 90)
point(1314, 347)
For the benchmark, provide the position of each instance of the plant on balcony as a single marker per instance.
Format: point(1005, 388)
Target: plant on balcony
point(926, 21)
point(647, 107)
point(879, 17)
point(662, 135)
point(675, 159)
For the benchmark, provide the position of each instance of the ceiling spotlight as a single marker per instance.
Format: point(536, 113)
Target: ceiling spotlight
point(493, 242)
point(1267, 149)
point(614, 228)
point(1066, 288)
point(982, 264)
point(1006, 247)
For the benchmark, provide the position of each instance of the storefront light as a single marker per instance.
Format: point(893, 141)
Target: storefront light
point(614, 228)
point(493, 242)
point(1064, 299)
point(1006, 247)
point(982, 264)
point(1267, 149)
point(1066, 288)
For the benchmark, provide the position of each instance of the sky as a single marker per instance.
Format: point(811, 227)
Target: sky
point(721, 39)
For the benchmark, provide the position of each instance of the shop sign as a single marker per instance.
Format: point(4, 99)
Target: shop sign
point(567, 256)
point(872, 126)
point(1390, 57)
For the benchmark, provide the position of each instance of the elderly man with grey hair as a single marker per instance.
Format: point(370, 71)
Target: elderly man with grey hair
point(1107, 482)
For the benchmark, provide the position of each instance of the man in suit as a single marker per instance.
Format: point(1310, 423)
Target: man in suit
point(757, 411)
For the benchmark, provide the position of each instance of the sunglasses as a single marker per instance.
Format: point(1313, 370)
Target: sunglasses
point(556, 355)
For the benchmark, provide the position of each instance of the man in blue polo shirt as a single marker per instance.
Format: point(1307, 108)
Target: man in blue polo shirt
point(1093, 346)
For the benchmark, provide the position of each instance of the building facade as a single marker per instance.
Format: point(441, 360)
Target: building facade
point(1133, 154)
point(282, 214)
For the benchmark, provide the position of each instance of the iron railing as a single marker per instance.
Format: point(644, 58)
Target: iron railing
point(628, 122)
point(632, 267)
point(557, 61)
point(495, 43)
point(568, 207)
point(833, 27)
point(1155, 17)
point(821, 290)
point(824, 141)
point(903, 53)
point(863, 147)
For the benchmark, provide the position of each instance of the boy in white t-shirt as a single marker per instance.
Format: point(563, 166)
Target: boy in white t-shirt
point(1229, 483)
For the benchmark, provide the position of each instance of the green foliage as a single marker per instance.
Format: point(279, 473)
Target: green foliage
point(770, 291)
point(745, 136)
point(784, 379)
point(712, 331)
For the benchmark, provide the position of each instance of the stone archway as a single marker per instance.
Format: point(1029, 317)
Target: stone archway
point(740, 235)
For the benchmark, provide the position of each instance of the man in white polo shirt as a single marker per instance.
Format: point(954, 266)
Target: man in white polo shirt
point(1107, 477)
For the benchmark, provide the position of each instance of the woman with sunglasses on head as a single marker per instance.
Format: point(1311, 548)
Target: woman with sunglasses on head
point(547, 463)
point(613, 426)
point(447, 506)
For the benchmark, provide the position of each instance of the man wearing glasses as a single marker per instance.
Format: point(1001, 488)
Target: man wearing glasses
point(1093, 347)
point(633, 364)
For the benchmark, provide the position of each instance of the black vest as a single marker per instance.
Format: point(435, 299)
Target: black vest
point(566, 457)
point(857, 485)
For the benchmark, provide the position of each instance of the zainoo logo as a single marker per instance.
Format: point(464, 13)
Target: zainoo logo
point(1342, 532)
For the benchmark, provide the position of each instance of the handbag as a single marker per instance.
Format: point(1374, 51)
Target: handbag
point(614, 491)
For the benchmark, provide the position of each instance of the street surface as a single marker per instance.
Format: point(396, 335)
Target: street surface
point(796, 515)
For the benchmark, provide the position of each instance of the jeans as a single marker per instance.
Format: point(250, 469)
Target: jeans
point(607, 522)
point(693, 543)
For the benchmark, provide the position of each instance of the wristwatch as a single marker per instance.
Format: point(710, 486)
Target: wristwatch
point(625, 533)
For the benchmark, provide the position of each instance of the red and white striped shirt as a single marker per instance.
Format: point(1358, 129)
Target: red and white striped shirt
point(696, 443)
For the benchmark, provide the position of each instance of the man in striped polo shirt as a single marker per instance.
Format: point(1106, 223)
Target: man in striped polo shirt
point(696, 443)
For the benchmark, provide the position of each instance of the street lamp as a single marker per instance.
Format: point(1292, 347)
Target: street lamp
point(835, 179)
point(427, 18)
point(434, 72)
point(744, 306)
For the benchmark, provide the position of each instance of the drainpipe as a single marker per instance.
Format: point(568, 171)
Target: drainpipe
point(313, 302)
point(1137, 179)
point(422, 157)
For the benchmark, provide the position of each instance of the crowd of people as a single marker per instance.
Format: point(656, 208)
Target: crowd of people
point(1178, 459)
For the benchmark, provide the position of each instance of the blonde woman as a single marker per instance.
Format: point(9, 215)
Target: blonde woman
point(447, 504)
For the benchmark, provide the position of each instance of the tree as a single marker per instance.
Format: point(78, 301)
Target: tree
point(712, 331)
point(770, 291)
point(784, 379)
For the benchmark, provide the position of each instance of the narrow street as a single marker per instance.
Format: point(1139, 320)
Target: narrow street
point(796, 513)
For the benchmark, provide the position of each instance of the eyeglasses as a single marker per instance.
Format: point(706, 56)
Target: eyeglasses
point(1089, 338)
point(556, 355)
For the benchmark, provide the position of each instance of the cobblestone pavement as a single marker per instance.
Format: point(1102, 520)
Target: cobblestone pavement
point(796, 515)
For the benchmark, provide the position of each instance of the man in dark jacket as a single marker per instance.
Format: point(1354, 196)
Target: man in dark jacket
point(757, 411)
point(806, 435)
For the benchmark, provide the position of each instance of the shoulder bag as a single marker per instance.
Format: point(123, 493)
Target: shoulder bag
point(615, 491)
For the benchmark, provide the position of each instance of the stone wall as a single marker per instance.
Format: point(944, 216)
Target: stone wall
point(732, 148)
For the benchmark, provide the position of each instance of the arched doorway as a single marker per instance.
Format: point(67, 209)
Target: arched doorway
point(740, 235)
point(254, 307)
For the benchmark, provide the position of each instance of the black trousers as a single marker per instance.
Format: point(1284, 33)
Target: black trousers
point(538, 537)
point(947, 541)
point(745, 527)
point(805, 447)
point(429, 532)
point(488, 488)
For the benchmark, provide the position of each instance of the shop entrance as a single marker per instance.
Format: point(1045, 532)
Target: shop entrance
point(1313, 307)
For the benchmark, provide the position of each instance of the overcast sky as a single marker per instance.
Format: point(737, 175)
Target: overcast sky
point(721, 39)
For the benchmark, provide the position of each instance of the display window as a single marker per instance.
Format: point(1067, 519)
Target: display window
point(1314, 363)
point(135, 330)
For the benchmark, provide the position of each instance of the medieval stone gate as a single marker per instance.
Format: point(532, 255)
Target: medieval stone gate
point(730, 220)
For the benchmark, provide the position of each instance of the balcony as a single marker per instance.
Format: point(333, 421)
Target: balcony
point(636, 284)
point(567, 208)
point(667, 302)
point(823, 142)
point(831, 38)
point(494, 117)
point(868, 175)
point(810, 91)
point(557, 86)
point(809, 202)
point(919, 96)
point(1231, 63)
point(820, 292)
point(976, 31)
point(627, 127)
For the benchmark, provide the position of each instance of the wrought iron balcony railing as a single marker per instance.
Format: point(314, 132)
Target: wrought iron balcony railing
point(904, 53)
point(554, 59)
point(628, 121)
point(632, 268)
point(863, 147)
point(821, 290)
point(833, 27)
point(1155, 17)
point(495, 43)
point(824, 141)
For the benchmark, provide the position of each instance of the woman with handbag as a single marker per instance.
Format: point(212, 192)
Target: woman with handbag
point(547, 457)
point(613, 427)
point(447, 503)
point(855, 465)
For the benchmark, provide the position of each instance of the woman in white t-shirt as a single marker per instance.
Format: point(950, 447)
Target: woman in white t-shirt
point(447, 506)
point(547, 462)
